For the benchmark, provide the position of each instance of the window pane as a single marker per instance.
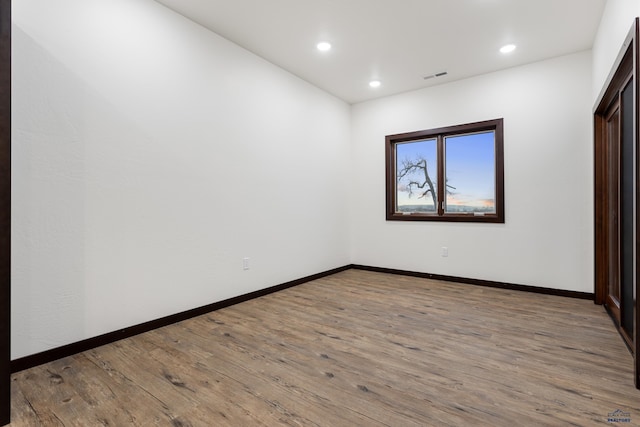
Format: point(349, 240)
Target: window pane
point(417, 170)
point(470, 173)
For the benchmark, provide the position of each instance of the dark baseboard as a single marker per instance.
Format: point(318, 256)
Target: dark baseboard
point(477, 282)
point(47, 356)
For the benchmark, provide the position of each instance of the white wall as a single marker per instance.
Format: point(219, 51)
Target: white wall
point(547, 239)
point(615, 24)
point(149, 157)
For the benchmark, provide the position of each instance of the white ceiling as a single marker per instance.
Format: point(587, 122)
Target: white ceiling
point(398, 42)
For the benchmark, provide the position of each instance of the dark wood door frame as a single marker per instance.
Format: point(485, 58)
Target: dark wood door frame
point(5, 211)
point(625, 67)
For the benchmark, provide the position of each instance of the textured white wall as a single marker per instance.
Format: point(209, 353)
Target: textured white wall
point(149, 157)
point(547, 239)
point(615, 24)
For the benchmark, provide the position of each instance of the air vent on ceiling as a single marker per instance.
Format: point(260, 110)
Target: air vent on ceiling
point(444, 73)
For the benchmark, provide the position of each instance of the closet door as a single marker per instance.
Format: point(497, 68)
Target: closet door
point(626, 213)
point(616, 195)
point(619, 214)
point(612, 209)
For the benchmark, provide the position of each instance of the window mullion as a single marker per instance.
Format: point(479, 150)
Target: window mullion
point(441, 176)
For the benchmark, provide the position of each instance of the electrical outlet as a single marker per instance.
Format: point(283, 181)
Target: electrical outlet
point(245, 263)
point(445, 251)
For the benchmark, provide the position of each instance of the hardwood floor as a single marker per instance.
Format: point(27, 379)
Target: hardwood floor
point(353, 349)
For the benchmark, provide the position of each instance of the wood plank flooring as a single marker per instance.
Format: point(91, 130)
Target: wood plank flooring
point(353, 349)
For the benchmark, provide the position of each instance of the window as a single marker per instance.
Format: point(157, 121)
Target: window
point(447, 174)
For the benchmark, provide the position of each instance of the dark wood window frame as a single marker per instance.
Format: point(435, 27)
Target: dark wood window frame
point(439, 134)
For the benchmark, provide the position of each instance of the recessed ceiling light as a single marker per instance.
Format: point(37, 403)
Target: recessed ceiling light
point(508, 48)
point(324, 46)
point(375, 83)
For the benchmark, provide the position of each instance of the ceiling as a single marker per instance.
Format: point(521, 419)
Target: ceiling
point(397, 42)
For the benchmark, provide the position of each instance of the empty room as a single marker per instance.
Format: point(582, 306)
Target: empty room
point(319, 213)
